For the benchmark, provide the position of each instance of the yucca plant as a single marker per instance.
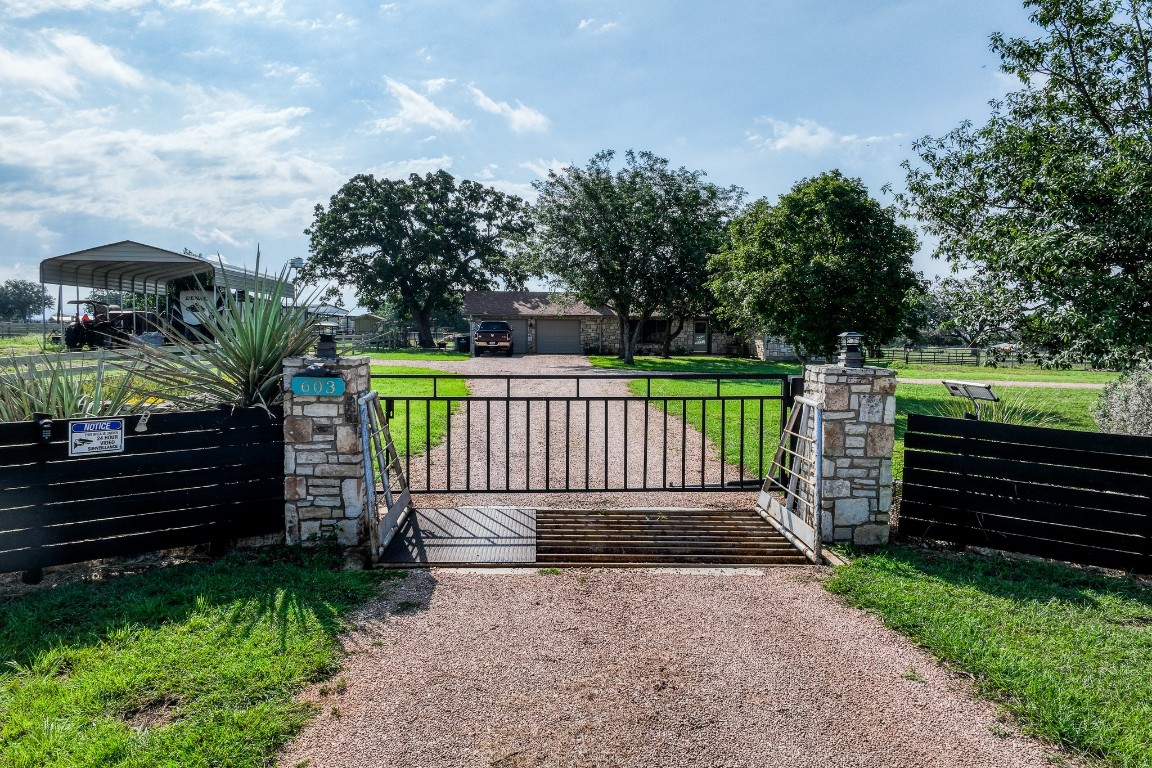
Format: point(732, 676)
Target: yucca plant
point(56, 385)
point(1011, 408)
point(236, 358)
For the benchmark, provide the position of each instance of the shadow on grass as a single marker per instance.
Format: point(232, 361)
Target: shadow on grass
point(287, 589)
point(1020, 581)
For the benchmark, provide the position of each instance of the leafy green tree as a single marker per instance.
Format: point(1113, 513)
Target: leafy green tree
point(22, 299)
point(1053, 192)
point(978, 310)
point(825, 259)
point(636, 240)
point(418, 243)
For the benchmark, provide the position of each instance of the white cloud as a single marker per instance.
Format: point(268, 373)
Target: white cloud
point(28, 8)
point(402, 169)
point(487, 172)
point(542, 167)
point(57, 63)
point(301, 78)
point(417, 110)
point(227, 169)
point(521, 119)
point(808, 137)
point(435, 85)
point(593, 26)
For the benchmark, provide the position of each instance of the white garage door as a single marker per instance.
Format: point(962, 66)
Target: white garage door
point(558, 337)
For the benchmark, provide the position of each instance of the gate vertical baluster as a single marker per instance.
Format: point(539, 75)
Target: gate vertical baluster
point(605, 443)
point(448, 442)
point(547, 445)
point(703, 440)
point(684, 442)
point(760, 442)
point(567, 445)
point(625, 403)
point(488, 446)
point(528, 445)
point(723, 432)
point(644, 477)
point(408, 438)
point(664, 442)
point(587, 444)
point(468, 444)
point(507, 440)
point(741, 442)
point(428, 441)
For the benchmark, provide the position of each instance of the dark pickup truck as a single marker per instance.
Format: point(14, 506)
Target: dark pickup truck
point(493, 335)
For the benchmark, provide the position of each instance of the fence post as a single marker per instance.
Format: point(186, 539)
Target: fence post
point(324, 493)
point(859, 406)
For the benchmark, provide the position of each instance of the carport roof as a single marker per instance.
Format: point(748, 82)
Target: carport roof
point(135, 268)
point(528, 304)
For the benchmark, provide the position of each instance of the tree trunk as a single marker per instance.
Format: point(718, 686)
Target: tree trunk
point(622, 321)
point(634, 337)
point(666, 350)
point(424, 325)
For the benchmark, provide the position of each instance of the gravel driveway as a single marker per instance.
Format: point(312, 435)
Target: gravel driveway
point(604, 668)
point(741, 669)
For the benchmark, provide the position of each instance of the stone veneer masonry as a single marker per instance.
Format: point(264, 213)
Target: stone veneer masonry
point(324, 493)
point(859, 407)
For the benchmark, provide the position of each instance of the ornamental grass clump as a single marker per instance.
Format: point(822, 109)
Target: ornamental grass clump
point(235, 356)
point(1125, 405)
point(66, 389)
point(1011, 408)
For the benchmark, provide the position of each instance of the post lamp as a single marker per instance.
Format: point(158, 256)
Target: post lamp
point(850, 354)
point(326, 343)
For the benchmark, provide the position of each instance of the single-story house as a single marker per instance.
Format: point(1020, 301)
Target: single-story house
point(554, 323)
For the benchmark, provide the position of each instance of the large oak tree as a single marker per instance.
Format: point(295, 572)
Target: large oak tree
point(1054, 192)
point(419, 243)
point(636, 239)
point(825, 259)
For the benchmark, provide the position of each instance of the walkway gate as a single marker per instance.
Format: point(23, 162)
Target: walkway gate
point(790, 497)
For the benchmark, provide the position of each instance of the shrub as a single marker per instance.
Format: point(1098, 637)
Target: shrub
point(53, 384)
point(1011, 408)
point(1125, 405)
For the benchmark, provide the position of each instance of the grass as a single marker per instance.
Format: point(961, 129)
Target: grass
point(983, 373)
point(1064, 408)
point(191, 665)
point(418, 354)
point(417, 426)
point(1067, 651)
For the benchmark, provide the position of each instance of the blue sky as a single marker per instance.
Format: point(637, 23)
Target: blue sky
point(215, 125)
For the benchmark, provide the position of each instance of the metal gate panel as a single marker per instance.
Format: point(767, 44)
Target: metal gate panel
point(790, 497)
point(558, 337)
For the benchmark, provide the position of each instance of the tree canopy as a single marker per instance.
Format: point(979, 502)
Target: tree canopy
point(636, 239)
point(419, 243)
point(22, 299)
point(825, 259)
point(1053, 193)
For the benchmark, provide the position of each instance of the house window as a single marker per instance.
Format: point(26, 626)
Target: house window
point(652, 331)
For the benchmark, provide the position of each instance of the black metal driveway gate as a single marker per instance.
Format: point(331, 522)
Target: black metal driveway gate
point(578, 433)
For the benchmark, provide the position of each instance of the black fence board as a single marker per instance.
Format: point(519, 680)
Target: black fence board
point(190, 478)
point(1062, 494)
point(1004, 469)
point(1121, 445)
point(916, 476)
point(108, 488)
point(1040, 512)
point(81, 510)
point(967, 517)
point(1033, 454)
point(1056, 550)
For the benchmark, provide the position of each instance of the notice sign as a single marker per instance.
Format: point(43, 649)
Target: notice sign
point(95, 436)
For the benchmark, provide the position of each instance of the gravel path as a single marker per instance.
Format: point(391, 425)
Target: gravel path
point(740, 669)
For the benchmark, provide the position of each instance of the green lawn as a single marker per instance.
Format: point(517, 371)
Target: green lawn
point(982, 373)
point(1065, 408)
point(418, 354)
point(191, 665)
point(410, 423)
point(1067, 651)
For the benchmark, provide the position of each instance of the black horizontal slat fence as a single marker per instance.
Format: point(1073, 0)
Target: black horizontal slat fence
point(1083, 497)
point(190, 478)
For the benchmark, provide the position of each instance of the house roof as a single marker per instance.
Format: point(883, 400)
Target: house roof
point(136, 268)
point(528, 304)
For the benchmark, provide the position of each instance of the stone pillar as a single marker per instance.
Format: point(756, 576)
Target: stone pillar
point(859, 407)
point(324, 491)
